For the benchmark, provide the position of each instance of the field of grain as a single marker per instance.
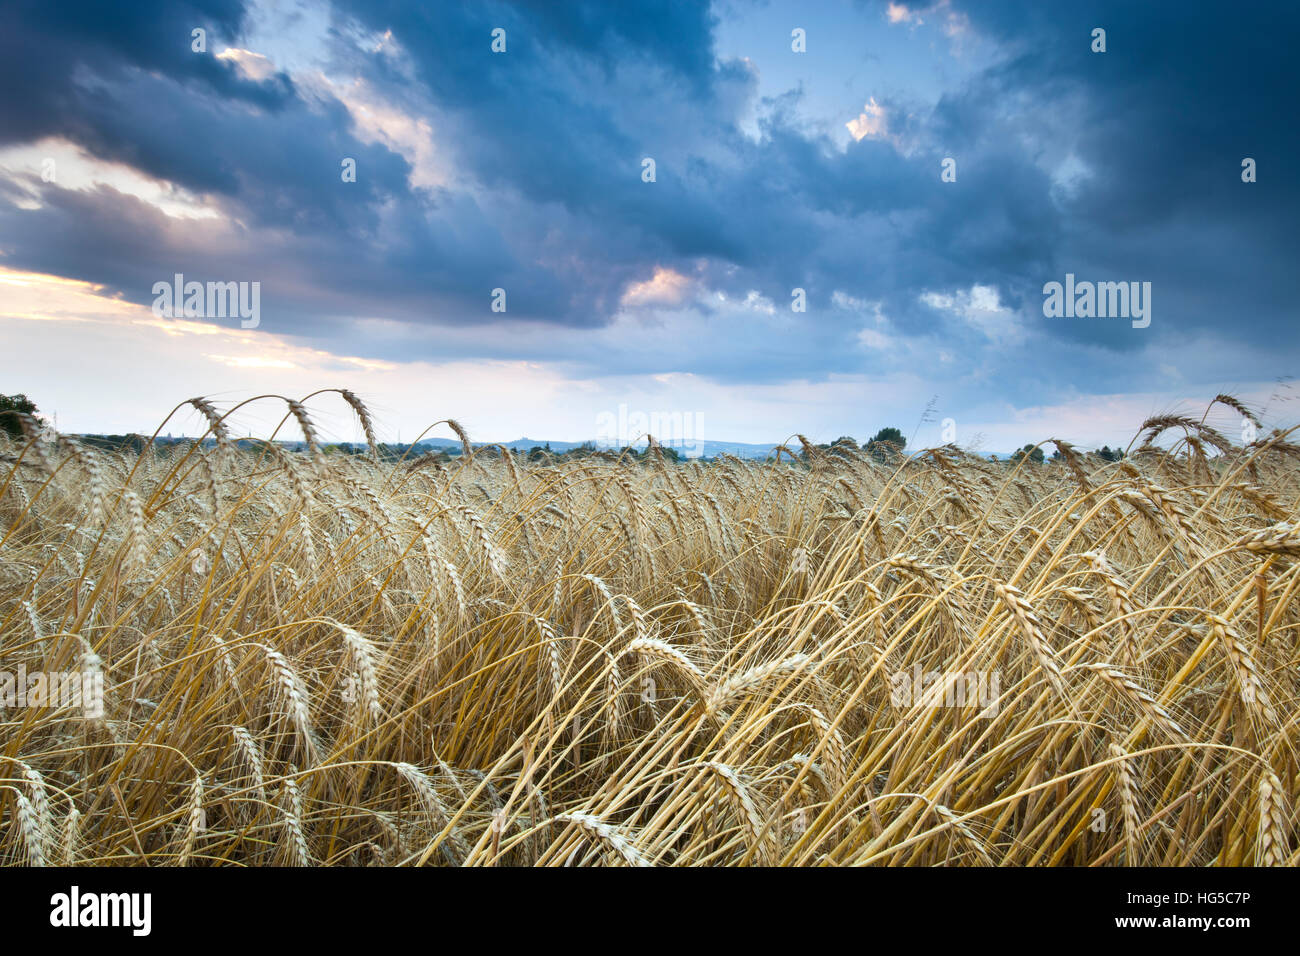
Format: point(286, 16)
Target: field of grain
point(319, 659)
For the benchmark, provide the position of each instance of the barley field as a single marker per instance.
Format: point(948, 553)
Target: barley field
point(831, 659)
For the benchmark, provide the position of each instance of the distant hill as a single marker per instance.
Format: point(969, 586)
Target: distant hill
point(706, 449)
point(709, 449)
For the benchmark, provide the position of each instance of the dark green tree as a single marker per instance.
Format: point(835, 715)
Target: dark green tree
point(1035, 454)
point(10, 407)
point(886, 440)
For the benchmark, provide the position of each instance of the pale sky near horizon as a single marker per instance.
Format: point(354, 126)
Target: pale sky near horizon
point(127, 157)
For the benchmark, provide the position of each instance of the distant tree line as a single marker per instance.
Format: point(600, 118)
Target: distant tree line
point(885, 444)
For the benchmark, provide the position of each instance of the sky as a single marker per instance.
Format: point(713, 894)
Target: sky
point(912, 174)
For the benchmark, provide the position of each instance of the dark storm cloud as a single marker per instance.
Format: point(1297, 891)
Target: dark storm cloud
point(1163, 119)
point(47, 50)
point(546, 199)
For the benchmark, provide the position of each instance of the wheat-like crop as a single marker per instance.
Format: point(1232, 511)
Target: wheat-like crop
point(830, 658)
